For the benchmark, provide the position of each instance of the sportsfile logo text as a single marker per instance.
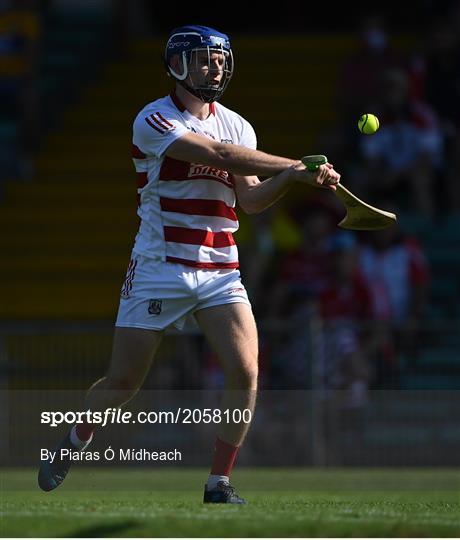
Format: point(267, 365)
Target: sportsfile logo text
point(117, 416)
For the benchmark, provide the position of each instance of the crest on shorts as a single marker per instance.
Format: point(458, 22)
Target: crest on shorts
point(155, 307)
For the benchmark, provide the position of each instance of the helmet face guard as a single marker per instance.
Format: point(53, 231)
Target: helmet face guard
point(193, 44)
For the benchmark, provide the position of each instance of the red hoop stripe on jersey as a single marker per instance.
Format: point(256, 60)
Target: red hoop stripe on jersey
point(198, 207)
point(173, 169)
point(196, 264)
point(227, 184)
point(154, 127)
point(137, 153)
point(142, 179)
point(199, 237)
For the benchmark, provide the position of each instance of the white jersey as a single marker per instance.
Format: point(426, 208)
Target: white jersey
point(187, 210)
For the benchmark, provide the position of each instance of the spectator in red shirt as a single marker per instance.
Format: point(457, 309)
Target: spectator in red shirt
point(300, 274)
point(297, 277)
point(395, 262)
point(396, 269)
point(344, 346)
point(346, 313)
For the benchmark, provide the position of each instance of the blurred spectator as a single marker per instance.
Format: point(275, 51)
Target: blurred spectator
point(357, 85)
point(301, 273)
point(19, 47)
point(404, 159)
point(397, 273)
point(359, 77)
point(441, 89)
point(344, 342)
point(256, 245)
point(345, 307)
point(297, 277)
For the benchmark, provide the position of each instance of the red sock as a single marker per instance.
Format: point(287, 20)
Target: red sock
point(224, 458)
point(84, 431)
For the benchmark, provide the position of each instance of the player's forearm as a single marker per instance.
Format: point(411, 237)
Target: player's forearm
point(263, 195)
point(236, 159)
point(247, 162)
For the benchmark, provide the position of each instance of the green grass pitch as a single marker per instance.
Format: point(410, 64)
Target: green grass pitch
point(281, 503)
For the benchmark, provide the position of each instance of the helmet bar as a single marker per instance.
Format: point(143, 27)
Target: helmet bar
point(211, 92)
point(205, 92)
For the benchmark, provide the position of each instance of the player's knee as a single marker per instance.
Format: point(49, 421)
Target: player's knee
point(128, 384)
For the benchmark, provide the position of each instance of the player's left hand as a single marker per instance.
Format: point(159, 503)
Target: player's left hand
point(324, 176)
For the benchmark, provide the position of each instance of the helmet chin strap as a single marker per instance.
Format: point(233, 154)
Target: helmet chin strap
point(204, 95)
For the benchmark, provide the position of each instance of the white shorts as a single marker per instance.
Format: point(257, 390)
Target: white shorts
point(156, 294)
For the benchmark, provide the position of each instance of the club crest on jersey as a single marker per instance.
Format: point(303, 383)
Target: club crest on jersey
point(207, 172)
point(155, 306)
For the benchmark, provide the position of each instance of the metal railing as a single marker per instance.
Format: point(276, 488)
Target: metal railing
point(317, 405)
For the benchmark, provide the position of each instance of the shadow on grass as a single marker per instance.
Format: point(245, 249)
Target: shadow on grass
point(102, 531)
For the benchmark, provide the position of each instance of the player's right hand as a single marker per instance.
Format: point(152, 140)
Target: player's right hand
point(324, 176)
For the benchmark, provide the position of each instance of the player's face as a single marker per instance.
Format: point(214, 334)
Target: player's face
point(206, 68)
